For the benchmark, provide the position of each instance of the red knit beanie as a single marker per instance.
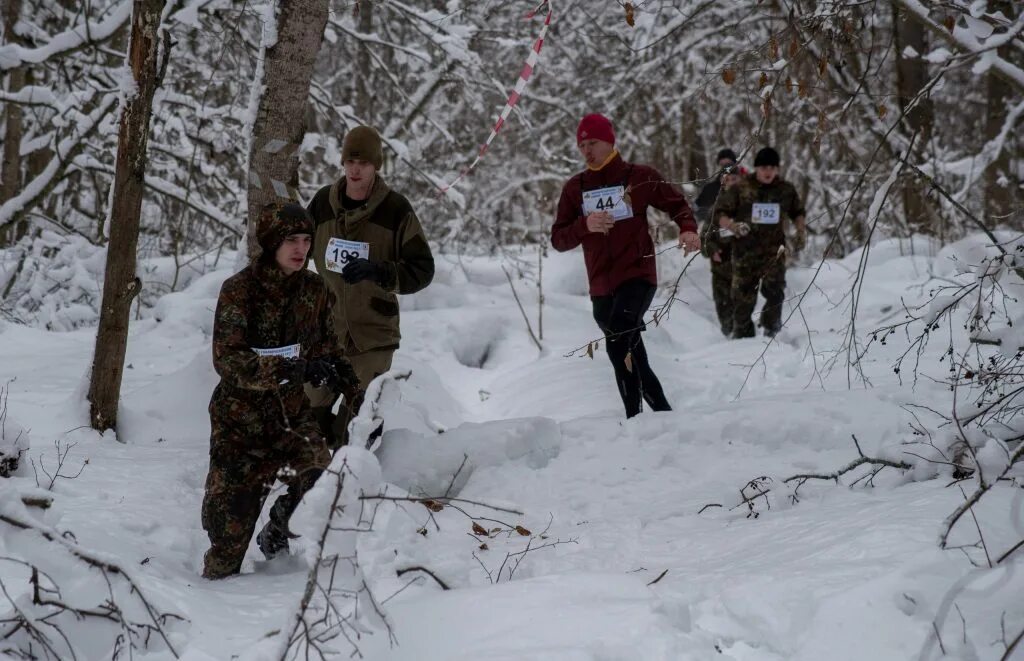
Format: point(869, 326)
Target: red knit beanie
point(595, 127)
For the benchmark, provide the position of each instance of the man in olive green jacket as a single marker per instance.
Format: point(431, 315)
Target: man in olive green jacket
point(369, 247)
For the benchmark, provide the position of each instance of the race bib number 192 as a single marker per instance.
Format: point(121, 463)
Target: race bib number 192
point(340, 252)
point(611, 200)
point(765, 213)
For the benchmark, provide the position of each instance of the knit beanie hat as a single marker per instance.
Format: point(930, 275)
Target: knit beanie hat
point(766, 156)
point(363, 144)
point(595, 127)
point(726, 155)
point(279, 220)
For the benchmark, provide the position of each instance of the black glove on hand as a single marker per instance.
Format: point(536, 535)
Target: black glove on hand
point(319, 373)
point(360, 269)
point(347, 377)
point(292, 370)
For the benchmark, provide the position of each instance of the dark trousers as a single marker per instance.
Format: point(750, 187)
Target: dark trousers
point(621, 317)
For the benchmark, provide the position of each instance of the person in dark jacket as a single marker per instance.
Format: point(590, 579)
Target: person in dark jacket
point(758, 212)
point(604, 209)
point(369, 247)
point(272, 332)
point(716, 243)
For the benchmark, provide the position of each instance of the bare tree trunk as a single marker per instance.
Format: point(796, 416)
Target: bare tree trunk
point(10, 172)
point(1000, 182)
point(280, 118)
point(911, 77)
point(121, 284)
point(364, 89)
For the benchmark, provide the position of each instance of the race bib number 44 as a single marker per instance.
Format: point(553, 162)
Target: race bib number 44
point(765, 213)
point(341, 252)
point(611, 200)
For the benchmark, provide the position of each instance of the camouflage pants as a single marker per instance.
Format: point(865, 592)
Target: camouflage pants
point(757, 263)
point(247, 453)
point(721, 288)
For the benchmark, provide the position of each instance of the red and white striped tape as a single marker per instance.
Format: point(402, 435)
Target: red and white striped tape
point(517, 92)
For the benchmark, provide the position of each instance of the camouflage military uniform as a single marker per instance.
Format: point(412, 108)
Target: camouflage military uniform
point(261, 428)
point(712, 241)
point(759, 257)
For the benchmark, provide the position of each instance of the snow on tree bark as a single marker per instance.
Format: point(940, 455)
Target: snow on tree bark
point(279, 124)
point(121, 284)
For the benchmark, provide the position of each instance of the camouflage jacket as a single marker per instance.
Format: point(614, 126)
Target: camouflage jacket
point(740, 202)
point(366, 313)
point(262, 308)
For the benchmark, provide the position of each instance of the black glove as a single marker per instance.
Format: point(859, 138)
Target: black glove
point(361, 269)
point(292, 370)
point(320, 373)
point(347, 377)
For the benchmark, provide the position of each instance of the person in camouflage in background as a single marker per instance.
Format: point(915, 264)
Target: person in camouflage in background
point(757, 212)
point(272, 332)
point(716, 243)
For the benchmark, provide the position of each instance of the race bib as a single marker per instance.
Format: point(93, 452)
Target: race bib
point(765, 213)
point(290, 351)
point(611, 200)
point(724, 233)
point(341, 252)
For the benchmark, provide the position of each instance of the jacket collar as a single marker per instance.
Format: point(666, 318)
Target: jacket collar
point(379, 191)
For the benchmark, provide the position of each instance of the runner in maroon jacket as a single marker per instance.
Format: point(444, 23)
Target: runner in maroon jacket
point(604, 208)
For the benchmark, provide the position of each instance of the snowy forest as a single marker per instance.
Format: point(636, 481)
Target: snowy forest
point(852, 488)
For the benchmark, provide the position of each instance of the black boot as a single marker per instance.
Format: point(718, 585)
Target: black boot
point(273, 540)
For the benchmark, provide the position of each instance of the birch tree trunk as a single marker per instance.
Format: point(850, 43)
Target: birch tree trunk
point(1000, 180)
point(121, 284)
point(280, 123)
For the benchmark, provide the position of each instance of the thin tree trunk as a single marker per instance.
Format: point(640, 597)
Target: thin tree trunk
point(1000, 182)
point(121, 284)
point(911, 77)
point(280, 123)
point(364, 89)
point(10, 171)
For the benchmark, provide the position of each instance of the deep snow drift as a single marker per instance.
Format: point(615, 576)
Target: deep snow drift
point(604, 547)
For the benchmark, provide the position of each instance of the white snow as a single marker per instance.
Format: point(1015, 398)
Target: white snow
point(606, 505)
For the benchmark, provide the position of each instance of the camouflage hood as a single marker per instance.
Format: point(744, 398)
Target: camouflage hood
point(279, 220)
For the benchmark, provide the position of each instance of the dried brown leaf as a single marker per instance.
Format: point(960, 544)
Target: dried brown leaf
point(729, 76)
point(762, 81)
point(484, 547)
point(950, 23)
point(802, 89)
point(773, 48)
point(789, 84)
point(590, 350)
point(432, 505)
point(629, 14)
point(495, 531)
point(794, 47)
point(523, 531)
point(823, 65)
point(882, 111)
point(479, 529)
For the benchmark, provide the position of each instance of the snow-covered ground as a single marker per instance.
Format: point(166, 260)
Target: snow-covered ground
point(624, 560)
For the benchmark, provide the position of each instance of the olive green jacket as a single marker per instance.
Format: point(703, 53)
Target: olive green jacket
point(366, 313)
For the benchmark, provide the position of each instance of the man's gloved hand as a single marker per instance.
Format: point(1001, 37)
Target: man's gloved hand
point(800, 240)
point(320, 373)
point(361, 269)
point(291, 370)
point(741, 229)
point(347, 377)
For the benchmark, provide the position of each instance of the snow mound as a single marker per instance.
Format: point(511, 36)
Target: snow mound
point(425, 464)
point(173, 408)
